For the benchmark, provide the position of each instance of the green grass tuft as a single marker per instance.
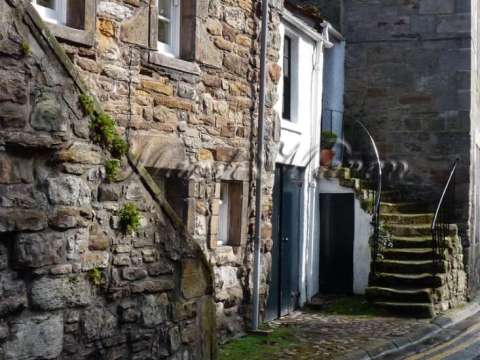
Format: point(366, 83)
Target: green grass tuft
point(129, 218)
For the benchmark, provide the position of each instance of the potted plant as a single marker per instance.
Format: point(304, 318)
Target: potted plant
point(329, 139)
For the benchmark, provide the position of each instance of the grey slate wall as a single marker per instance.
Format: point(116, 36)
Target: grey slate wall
point(408, 79)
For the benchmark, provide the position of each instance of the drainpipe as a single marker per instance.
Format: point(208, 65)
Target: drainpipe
point(259, 163)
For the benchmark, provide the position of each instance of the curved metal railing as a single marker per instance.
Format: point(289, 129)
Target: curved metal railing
point(443, 217)
point(377, 201)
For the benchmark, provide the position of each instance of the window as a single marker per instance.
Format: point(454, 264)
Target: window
point(232, 213)
point(287, 78)
point(72, 20)
point(169, 27)
point(54, 11)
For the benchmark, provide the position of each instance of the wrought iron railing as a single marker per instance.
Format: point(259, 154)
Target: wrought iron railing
point(377, 202)
point(443, 218)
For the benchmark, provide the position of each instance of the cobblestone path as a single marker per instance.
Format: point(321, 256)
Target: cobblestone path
point(322, 336)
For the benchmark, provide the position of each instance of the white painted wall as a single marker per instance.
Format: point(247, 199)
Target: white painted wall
point(300, 141)
point(363, 230)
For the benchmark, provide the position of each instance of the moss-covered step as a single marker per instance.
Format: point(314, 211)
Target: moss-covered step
point(417, 229)
point(419, 242)
point(403, 207)
point(401, 218)
point(391, 280)
point(411, 266)
point(418, 310)
point(377, 293)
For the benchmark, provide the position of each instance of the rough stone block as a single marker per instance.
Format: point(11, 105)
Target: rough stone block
point(57, 293)
point(15, 169)
point(80, 153)
point(160, 151)
point(437, 6)
point(154, 309)
point(13, 293)
point(35, 337)
point(193, 282)
point(68, 190)
point(13, 115)
point(99, 323)
point(135, 29)
point(47, 114)
point(33, 250)
point(22, 220)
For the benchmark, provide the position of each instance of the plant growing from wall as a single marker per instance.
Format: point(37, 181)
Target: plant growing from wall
point(384, 240)
point(112, 168)
point(129, 218)
point(87, 105)
point(25, 48)
point(95, 276)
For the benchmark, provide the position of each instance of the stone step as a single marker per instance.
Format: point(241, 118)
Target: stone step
point(400, 218)
point(419, 281)
point(411, 267)
point(375, 293)
point(403, 207)
point(418, 310)
point(417, 242)
point(416, 229)
point(408, 254)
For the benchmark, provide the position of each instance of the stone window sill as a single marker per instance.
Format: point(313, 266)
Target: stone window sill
point(157, 58)
point(82, 37)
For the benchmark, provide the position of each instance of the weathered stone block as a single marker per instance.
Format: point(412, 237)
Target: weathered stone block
point(13, 293)
point(437, 6)
point(159, 86)
point(13, 115)
point(99, 323)
point(154, 309)
point(33, 250)
point(159, 151)
point(47, 114)
point(80, 153)
point(68, 190)
point(193, 282)
point(208, 53)
point(99, 239)
point(22, 220)
point(57, 293)
point(152, 286)
point(135, 29)
point(134, 273)
point(15, 169)
point(35, 337)
point(95, 259)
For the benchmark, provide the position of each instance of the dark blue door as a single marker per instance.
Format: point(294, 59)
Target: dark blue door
point(284, 281)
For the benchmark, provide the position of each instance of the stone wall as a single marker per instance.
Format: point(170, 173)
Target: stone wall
point(408, 80)
point(73, 284)
point(193, 118)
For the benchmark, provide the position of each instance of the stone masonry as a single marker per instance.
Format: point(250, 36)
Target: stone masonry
point(191, 119)
point(408, 79)
point(73, 285)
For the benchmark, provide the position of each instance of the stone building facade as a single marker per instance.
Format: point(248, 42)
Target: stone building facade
point(70, 276)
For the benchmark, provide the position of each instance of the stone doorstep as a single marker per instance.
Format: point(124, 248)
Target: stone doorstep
point(442, 321)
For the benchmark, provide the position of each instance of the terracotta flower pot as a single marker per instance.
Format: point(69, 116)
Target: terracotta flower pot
point(326, 157)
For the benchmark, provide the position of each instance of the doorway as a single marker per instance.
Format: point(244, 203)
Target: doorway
point(337, 224)
point(284, 293)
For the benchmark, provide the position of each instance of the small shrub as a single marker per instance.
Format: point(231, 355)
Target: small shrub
point(384, 240)
point(87, 104)
point(25, 48)
point(112, 168)
point(103, 130)
point(95, 276)
point(129, 218)
point(119, 147)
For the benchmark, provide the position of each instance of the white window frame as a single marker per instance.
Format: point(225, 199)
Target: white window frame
point(224, 214)
point(58, 15)
point(172, 48)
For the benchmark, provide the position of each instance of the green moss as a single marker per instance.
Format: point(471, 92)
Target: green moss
point(95, 276)
point(88, 105)
point(257, 347)
point(103, 130)
point(129, 218)
point(25, 48)
point(351, 306)
point(112, 168)
point(119, 147)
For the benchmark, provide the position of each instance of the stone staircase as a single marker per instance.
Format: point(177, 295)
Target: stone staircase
point(407, 281)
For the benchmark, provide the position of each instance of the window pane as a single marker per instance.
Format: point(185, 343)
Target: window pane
point(223, 214)
point(164, 32)
point(287, 72)
point(46, 3)
point(165, 8)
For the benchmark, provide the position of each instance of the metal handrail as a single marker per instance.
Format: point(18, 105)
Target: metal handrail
point(378, 198)
point(441, 220)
